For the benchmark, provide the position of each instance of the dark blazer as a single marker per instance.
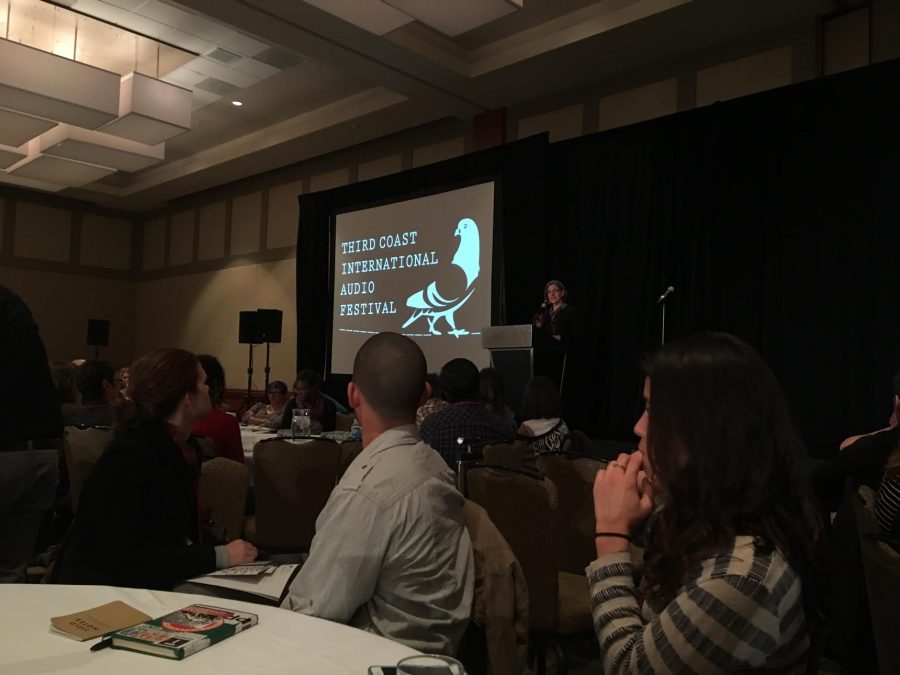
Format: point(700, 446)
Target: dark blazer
point(136, 512)
point(566, 328)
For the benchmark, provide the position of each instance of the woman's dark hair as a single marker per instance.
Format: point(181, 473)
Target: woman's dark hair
point(310, 378)
point(278, 387)
point(437, 389)
point(156, 384)
point(491, 386)
point(215, 377)
point(540, 399)
point(63, 374)
point(728, 462)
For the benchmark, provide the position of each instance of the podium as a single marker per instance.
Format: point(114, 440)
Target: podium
point(512, 351)
point(512, 354)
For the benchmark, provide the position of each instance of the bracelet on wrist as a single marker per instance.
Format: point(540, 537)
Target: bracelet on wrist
point(618, 535)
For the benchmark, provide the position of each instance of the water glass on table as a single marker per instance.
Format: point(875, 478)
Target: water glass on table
point(428, 664)
point(300, 423)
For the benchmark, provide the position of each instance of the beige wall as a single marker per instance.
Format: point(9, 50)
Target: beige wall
point(61, 305)
point(199, 312)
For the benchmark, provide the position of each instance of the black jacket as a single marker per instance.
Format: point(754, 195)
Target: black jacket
point(135, 514)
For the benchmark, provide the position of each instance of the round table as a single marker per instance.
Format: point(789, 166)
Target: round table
point(282, 642)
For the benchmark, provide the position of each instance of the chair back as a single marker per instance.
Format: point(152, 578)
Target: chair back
point(223, 493)
point(293, 482)
point(605, 450)
point(206, 447)
point(574, 480)
point(500, 602)
point(881, 565)
point(510, 454)
point(349, 451)
point(524, 509)
point(83, 447)
point(343, 421)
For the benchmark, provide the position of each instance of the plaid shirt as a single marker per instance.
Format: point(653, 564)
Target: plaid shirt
point(469, 420)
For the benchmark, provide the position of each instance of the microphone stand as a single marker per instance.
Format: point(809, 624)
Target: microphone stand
point(662, 333)
point(248, 403)
point(268, 344)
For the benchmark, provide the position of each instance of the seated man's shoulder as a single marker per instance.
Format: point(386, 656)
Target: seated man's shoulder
point(394, 473)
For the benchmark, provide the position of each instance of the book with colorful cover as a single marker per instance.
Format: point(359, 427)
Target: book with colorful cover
point(185, 632)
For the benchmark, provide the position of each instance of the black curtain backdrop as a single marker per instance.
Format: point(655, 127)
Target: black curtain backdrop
point(775, 216)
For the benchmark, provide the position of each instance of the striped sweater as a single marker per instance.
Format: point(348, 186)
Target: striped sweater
point(742, 612)
point(887, 508)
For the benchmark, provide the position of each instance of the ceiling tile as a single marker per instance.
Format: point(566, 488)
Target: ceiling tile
point(242, 44)
point(100, 10)
point(255, 68)
point(58, 170)
point(16, 128)
point(203, 98)
point(453, 18)
point(185, 77)
point(9, 156)
point(217, 86)
point(279, 58)
point(371, 15)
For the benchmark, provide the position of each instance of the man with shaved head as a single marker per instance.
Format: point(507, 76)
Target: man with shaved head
point(391, 553)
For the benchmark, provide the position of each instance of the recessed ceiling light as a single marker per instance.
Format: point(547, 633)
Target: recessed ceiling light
point(237, 104)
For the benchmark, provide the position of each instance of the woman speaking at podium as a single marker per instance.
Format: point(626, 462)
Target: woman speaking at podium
point(556, 318)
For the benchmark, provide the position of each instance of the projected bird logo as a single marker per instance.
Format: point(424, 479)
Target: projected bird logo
point(429, 303)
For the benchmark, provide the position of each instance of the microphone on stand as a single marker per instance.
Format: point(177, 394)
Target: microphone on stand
point(666, 294)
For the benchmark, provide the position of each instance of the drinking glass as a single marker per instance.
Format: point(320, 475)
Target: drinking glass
point(429, 664)
point(300, 422)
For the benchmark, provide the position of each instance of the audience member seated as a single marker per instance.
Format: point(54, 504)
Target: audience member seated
point(391, 554)
point(543, 428)
point(466, 417)
point(137, 523)
point(269, 413)
point(860, 461)
point(492, 393)
point(221, 427)
point(729, 566)
point(122, 378)
point(887, 502)
point(63, 374)
point(434, 403)
point(308, 394)
point(30, 436)
point(96, 381)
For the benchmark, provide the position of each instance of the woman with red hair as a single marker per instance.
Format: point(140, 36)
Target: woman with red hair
point(138, 520)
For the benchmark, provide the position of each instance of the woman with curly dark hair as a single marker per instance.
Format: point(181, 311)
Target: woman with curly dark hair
point(730, 580)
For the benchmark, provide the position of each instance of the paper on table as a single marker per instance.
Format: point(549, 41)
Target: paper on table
point(97, 621)
point(248, 570)
point(269, 586)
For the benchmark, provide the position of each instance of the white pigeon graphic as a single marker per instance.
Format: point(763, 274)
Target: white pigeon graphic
point(429, 302)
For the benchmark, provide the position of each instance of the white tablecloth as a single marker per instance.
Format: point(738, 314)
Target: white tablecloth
point(282, 642)
point(250, 436)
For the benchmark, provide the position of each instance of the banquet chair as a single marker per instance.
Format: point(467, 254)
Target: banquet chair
point(344, 421)
point(524, 507)
point(349, 451)
point(574, 480)
point(223, 494)
point(881, 567)
point(510, 454)
point(605, 450)
point(83, 447)
point(500, 602)
point(293, 483)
